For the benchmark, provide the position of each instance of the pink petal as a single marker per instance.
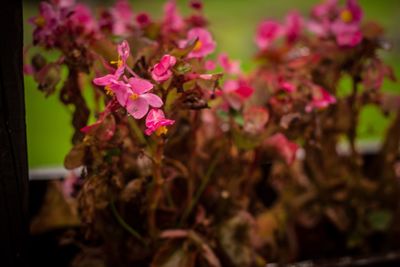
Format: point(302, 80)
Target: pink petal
point(244, 90)
point(153, 100)
point(173, 21)
point(161, 77)
point(137, 108)
point(229, 66)
point(230, 86)
point(159, 69)
point(124, 50)
point(140, 86)
point(122, 95)
point(154, 116)
point(286, 148)
point(293, 27)
point(168, 61)
point(105, 80)
point(267, 32)
point(207, 43)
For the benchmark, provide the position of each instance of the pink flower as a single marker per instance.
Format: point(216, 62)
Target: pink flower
point(143, 19)
point(321, 99)
point(63, 3)
point(229, 66)
point(46, 23)
point(204, 46)
point(285, 85)
point(347, 27)
point(285, 148)
point(321, 18)
point(62, 17)
point(352, 13)
point(156, 122)
point(267, 32)
point(123, 51)
point(322, 15)
point(342, 23)
point(135, 98)
point(123, 55)
point(162, 70)
point(320, 28)
point(347, 35)
point(293, 26)
point(122, 18)
point(82, 20)
point(173, 21)
point(196, 4)
point(110, 82)
point(236, 91)
point(325, 9)
point(239, 87)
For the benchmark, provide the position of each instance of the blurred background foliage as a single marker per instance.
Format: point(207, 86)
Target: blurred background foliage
point(233, 24)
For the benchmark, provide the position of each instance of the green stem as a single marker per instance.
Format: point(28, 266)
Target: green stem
point(138, 132)
point(123, 223)
point(203, 185)
point(156, 190)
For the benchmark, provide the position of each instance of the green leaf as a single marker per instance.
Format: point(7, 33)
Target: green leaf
point(223, 115)
point(171, 97)
point(182, 68)
point(189, 85)
point(244, 141)
point(238, 118)
point(380, 219)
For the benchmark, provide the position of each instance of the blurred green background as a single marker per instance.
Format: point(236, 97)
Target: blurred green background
point(233, 23)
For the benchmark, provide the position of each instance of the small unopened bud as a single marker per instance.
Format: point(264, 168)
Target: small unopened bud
point(196, 4)
point(38, 62)
point(48, 78)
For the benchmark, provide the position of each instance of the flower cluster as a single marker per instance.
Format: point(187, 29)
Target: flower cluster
point(63, 18)
point(269, 30)
point(133, 93)
point(328, 19)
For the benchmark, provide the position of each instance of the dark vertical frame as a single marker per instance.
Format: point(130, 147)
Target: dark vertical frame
point(13, 159)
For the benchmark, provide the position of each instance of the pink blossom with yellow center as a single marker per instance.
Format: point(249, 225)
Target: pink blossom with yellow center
point(204, 46)
point(156, 122)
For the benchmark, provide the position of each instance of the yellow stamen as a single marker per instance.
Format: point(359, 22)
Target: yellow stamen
point(108, 90)
point(198, 45)
point(118, 62)
point(346, 16)
point(40, 21)
point(134, 96)
point(161, 130)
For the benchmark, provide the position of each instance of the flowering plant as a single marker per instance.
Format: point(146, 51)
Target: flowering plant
point(181, 163)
